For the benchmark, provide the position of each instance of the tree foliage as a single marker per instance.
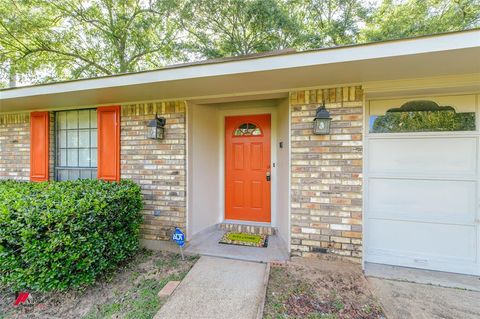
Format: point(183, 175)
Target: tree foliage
point(219, 28)
point(331, 22)
point(76, 38)
point(393, 20)
point(50, 40)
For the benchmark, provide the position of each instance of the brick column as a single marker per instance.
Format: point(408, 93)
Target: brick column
point(158, 166)
point(326, 203)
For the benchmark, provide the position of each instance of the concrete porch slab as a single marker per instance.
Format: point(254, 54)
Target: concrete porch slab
point(206, 243)
point(429, 277)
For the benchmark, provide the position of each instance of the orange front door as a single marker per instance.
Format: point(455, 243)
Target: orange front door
point(247, 168)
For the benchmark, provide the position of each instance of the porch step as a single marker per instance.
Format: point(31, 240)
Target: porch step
point(252, 229)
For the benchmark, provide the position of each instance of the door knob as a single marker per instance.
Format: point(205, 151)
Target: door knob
point(268, 176)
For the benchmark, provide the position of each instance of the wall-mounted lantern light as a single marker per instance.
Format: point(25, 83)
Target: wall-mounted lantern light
point(156, 128)
point(321, 123)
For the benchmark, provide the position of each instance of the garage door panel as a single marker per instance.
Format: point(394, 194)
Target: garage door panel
point(422, 192)
point(422, 200)
point(423, 157)
point(429, 242)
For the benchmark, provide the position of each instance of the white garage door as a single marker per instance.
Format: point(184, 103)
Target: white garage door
point(422, 188)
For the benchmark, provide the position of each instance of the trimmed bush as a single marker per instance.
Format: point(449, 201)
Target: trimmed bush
point(60, 235)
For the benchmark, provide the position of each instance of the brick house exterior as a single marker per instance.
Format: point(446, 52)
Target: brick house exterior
point(326, 170)
point(395, 195)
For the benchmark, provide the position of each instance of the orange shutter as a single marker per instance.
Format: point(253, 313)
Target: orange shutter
point(108, 119)
point(39, 126)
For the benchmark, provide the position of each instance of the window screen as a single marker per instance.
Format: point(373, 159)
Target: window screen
point(76, 144)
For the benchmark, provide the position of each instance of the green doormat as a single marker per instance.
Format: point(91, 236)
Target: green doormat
point(244, 239)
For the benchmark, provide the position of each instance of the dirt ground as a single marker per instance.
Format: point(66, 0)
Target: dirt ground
point(319, 288)
point(130, 292)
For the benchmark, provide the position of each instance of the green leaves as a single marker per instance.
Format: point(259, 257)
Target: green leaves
point(409, 18)
point(219, 28)
point(47, 40)
point(331, 23)
point(76, 39)
point(60, 235)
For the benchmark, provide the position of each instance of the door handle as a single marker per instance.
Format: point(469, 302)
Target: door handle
point(268, 177)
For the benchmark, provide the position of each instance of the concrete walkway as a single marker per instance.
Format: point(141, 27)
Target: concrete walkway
point(218, 288)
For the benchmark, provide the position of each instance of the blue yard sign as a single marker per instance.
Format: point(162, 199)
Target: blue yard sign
point(179, 237)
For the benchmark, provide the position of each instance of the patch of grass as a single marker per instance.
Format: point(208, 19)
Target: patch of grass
point(336, 301)
point(293, 293)
point(168, 262)
point(105, 311)
point(285, 292)
point(129, 291)
point(173, 262)
point(338, 304)
point(140, 302)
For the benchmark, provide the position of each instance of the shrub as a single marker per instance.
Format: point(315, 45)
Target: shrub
point(60, 235)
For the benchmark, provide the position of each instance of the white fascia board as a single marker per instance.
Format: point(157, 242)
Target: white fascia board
point(446, 42)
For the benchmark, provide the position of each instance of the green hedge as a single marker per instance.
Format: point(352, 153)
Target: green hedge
point(60, 235)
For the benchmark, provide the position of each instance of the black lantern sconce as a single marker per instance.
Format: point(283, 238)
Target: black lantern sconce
point(156, 128)
point(321, 123)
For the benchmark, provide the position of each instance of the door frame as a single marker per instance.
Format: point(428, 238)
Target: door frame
point(249, 110)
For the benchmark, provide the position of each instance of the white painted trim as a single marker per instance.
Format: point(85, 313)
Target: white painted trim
point(364, 178)
point(404, 47)
point(289, 223)
point(187, 170)
point(451, 178)
point(386, 136)
point(251, 110)
point(477, 224)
